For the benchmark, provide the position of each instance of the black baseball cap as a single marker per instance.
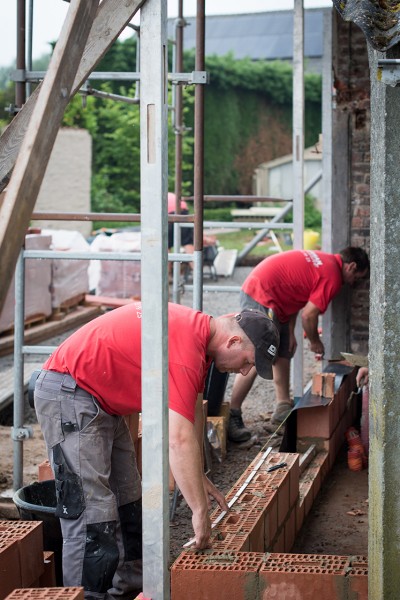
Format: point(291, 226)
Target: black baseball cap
point(264, 334)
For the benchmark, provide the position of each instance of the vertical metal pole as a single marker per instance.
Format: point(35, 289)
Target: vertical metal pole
point(199, 160)
point(30, 41)
point(298, 171)
point(18, 417)
point(20, 95)
point(327, 126)
point(154, 280)
point(178, 66)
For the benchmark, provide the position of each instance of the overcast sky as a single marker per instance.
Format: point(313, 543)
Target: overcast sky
point(49, 15)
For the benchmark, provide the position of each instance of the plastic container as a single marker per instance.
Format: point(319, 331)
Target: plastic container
point(37, 502)
point(311, 240)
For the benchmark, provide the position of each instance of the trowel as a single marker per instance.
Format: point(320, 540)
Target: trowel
point(356, 360)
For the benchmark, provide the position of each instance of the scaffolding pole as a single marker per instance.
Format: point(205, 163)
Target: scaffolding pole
point(298, 171)
point(154, 281)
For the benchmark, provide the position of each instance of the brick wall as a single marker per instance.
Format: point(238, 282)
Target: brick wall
point(352, 84)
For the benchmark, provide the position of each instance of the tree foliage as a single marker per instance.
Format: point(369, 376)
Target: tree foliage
point(248, 120)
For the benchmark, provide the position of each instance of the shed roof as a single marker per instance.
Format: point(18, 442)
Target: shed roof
point(259, 36)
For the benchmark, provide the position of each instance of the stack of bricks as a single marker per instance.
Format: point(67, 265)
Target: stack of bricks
point(325, 425)
point(23, 563)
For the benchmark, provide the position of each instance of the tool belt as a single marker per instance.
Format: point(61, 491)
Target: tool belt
point(31, 387)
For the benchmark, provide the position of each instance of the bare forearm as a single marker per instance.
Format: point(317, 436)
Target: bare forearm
point(310, 326)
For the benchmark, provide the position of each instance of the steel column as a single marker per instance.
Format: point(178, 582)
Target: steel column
point(298, 171)
point(154, 281)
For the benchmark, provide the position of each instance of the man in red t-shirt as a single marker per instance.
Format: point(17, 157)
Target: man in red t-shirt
point(81, 395)
point(282, 285)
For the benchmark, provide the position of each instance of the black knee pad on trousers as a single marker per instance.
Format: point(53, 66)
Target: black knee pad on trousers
point(130, 516)
point(101, 556)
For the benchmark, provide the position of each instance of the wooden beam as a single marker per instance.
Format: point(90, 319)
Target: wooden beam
point(41, 133)
point(112, 17)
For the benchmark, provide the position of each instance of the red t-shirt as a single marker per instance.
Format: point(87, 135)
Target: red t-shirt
point(285, 282)
point(104, 358)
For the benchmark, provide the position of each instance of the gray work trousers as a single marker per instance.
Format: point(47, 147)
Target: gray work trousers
point(98, 488)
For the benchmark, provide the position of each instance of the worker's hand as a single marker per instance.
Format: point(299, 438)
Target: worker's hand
point(213, 492)
point(362, 376)
point(202, 530)
point(318, 348)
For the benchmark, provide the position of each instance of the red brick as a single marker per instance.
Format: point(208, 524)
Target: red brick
point(65, 593)
point(323, 384)
point(45, 472)
point(212, 575)
point(28, 535)
point(10, 571)
point(48, 578)
point(302, 576)
point(290, 530)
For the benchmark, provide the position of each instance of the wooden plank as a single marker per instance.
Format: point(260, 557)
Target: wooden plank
point(41, 133)
point(112, 17)
point(44, 331)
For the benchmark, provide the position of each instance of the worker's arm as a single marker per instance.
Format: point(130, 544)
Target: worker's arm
point(309, 317)
point(187, 468)
point(210, 489)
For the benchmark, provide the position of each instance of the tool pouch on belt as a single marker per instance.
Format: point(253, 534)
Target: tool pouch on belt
point(69, 492)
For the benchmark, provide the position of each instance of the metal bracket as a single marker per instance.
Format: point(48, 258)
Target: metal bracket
point(195, 77)
point(389, 71)
point(192, 78)
point(21, 433)
point(19, 75)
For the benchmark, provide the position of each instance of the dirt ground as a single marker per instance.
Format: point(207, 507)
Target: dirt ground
point(338, 521)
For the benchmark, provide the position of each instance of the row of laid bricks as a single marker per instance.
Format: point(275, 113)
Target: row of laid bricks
point(211, 575)
point(269, 511)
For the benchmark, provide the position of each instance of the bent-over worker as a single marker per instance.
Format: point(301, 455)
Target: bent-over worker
point(282, 285)
point(81, 395)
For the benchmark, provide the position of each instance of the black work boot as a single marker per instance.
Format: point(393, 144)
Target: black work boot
point(237, 432)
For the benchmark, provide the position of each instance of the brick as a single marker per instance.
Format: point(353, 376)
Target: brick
point(318, 421)
point(211, 575)
point(290, 530)
point(323, 384)
point(358, 577)
point(28, 535)
point(48, 578)
point(45, 472)
point(302, 576)
point(10, 571)
point(300, 513)
point(229, 541)
point(65, 593)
